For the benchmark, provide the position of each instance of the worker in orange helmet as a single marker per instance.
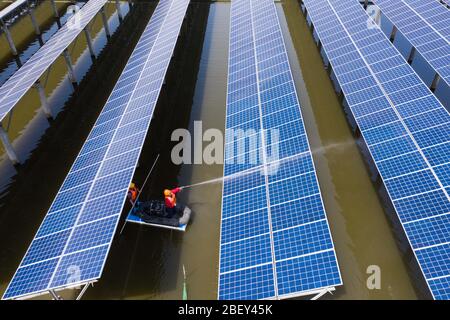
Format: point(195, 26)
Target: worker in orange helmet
point(170, 201)
point(133, 193)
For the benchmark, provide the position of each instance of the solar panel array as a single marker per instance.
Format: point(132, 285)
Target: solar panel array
point(406, 129)
point(275, 239)
point(426, 25)
point(80, 224)
point(13, 6)
point(16, 86)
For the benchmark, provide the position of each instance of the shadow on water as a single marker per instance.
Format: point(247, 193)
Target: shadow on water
point(38, 179)
point(144, 262)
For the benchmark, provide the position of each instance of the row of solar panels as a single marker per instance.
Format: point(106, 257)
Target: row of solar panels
point(275, 239)
point(405, 127)
point(426, 25)
point(18, 84)
point(13, 7)
point(80, 224)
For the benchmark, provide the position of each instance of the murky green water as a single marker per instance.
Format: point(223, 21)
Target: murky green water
point(146, 263)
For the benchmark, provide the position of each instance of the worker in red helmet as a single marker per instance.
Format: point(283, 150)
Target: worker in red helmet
point(170, 201)
point(133, 193)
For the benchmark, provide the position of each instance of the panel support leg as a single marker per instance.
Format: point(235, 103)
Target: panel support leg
point(341, 97)
point(86, 286)
point(12, 155)
point(37, 30)
point(393, 34)
point(69, 66)
point(119, 11)
point(105, 22)
point(329, 68)
point(411, 55)
point(54, 8)
point(435, 82)
point(9, 38)
point(55, 12)
point(319, 46)
point(89, 43)
point(43, 98)
point(366, 4)
point(55, 295)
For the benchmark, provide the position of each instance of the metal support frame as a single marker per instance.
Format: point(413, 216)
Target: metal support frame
point(86, 286)
point(72, 77)
point(54, 295)
point(8, 37)
point(435, 82)
point(44, 103)
point(105, 22)
point(37, 30)
point(366, 4)
point(11, 153)
point(55, 9)
point(412, 54)
point(319, 45)
point(329, 69)
point(315, 293)
point(56, 13)
point(341, 96)
point(119, 11)
point(393, 34)
point(324, 292)
point(89, 42)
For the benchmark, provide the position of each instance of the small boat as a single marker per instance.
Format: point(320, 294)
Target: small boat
point(154, 213)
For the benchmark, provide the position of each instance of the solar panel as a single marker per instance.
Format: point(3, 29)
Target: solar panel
point(426, 25)
point(78, 229)
point(16, 86)
point(275, 239)
point(13, 6)
point(406, 129)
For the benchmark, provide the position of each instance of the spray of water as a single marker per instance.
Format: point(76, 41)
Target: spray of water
point(340, 146)
point(220, 179)
point(335, 146)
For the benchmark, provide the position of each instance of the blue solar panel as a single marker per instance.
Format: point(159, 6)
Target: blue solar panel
point(16, 86)
point(79, 227)
point(273, 221)
point(4, 13)
point(426, 25)
point(405, 127)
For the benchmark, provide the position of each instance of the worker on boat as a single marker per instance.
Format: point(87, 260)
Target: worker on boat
point(170, 201)
point(133, 193)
